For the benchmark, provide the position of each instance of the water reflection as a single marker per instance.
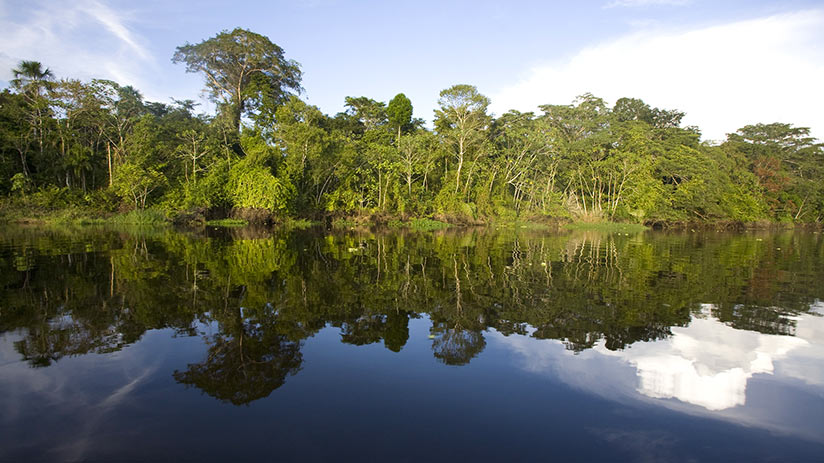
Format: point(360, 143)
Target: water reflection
point(703, 368)
point(695, 315)
point(706, 363)
point(246, 360)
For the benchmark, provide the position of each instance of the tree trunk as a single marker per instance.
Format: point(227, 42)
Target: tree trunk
point(109, 160)
point(237, 109)
point(24, 162)
point(460, 164)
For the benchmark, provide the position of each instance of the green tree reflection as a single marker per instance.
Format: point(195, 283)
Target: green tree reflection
point(246, 361)
point(255, 298)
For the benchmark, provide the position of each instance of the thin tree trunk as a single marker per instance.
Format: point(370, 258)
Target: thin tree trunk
point(109, 161)
point(460, 165)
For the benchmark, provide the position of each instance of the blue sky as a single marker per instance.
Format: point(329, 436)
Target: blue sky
point(726, 64)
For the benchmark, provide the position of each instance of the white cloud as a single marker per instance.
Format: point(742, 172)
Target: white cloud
point(115, 24)
point(84, 39)
point(724, 77)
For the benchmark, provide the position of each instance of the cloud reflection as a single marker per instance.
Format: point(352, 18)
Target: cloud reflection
point(68, 393)
point(706, 364)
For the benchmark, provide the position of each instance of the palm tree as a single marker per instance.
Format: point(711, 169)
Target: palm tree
point(30, 76)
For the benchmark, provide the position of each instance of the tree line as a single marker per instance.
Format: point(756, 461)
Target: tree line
point(267, 153)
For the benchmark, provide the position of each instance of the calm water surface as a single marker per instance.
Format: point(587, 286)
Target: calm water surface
point(502, 345)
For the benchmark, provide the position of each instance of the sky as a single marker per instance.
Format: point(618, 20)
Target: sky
point(726, 64)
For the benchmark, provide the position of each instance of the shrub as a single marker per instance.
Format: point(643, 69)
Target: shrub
point(254, 187)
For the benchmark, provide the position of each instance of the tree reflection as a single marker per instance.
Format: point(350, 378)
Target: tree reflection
point(245, 366)
point(77, 292)
point(456, 346)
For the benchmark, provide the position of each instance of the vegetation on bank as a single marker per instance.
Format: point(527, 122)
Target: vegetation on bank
point(78, 151)
point(607, 227)
point(78, 215)
point(227, 223)
point(421, 224)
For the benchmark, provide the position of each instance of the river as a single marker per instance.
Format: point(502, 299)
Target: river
point(457, 345)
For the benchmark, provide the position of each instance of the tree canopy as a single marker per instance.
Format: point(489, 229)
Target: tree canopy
point(266, 154)
point(245, 72)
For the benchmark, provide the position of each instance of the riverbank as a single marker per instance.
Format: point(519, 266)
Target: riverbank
point(74, 215)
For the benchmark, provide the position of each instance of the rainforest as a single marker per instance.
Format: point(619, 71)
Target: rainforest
point(88, 151)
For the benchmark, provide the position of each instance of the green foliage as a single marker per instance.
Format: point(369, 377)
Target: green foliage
point(52, 197)
point(253, 186)
point(20, 184)
point(73, 144)
point(787, 164)
point(136, 183)
point(309, 164)
point(607, 227)
point(425, 224)
point(449, 204)
point(140, 217)
point(213, 190)
point(399, 113)
point(229, 223)
point(104, 200)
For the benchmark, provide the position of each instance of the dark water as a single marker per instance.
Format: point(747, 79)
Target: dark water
point(494, 345)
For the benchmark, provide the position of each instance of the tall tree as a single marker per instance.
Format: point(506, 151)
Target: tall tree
point(462, 118)
point(525, 161)
point(79, 129)
point(415, 155)
point(370, 115)
point(399, 112)
point(305, 146)
point(14, 134)
point(244, 71)
point(581, 135)
point(125, 104)
point(30, 77)
point(34, 82)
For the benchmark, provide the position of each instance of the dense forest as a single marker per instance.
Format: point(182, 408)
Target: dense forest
point(266, 155)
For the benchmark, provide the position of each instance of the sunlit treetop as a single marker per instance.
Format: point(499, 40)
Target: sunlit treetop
point(244, 71)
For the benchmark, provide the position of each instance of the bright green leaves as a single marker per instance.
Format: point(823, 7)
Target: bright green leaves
point(137, 182)
point(254, 186)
